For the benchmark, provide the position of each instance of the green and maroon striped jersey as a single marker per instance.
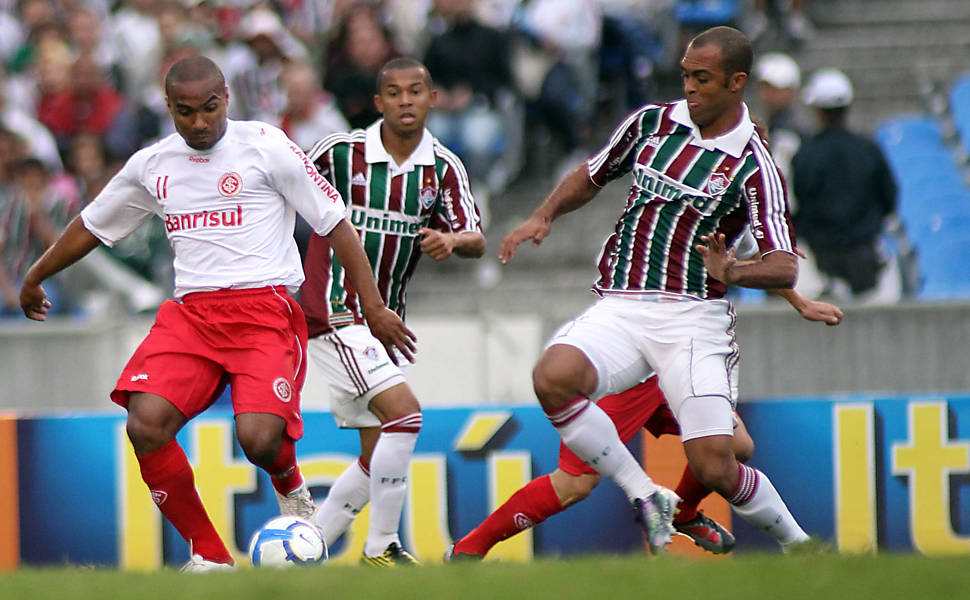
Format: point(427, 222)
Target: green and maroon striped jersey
point(684, 187)
point(387, 205)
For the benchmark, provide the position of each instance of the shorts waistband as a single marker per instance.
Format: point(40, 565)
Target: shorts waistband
point(650, 297)
point(231, 293)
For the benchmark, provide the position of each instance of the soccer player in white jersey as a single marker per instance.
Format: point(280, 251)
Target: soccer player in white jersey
point(699, 168)
point(406, 195)
point(227, 191)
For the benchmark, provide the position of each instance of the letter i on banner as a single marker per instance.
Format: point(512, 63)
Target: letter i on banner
point(139, 521)
point(855, 488)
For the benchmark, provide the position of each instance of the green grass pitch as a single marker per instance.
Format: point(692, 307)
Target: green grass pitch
point(752, 577)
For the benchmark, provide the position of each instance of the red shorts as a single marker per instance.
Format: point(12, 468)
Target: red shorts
point(252, 339)
point(643, 405)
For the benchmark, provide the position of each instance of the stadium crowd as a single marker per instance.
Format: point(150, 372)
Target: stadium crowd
point(518, 81)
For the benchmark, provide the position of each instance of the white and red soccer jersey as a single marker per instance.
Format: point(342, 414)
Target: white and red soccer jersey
point(228, 211)
point(684, 187)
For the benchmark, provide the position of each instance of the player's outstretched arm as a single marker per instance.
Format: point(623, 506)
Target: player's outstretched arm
point(773, 270)
point(811, 310)
point(575, 190)
point(439, 245)
point(382, 321)
point(72, 245)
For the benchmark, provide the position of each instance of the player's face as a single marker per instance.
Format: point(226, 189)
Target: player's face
point(405, 99)
point(710, 92)
point(198, 110)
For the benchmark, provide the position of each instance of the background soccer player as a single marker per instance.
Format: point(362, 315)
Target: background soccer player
point(227, 192)
point(407, 195)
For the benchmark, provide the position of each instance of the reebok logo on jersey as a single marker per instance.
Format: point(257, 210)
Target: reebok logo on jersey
point(199, 159)
point(159, 497)
point(140, 377)
point(358, 179)
point(282, 389)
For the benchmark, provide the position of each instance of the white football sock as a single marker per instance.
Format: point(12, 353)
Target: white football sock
point(590, 433)
point(758, 502)
point(388, 481)
point(348, 496)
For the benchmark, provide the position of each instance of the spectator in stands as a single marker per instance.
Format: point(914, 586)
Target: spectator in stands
point(844, 187)
point(258, 89)
point(87, 162)
point(34, 208)
point(470, 65)
point(784, 21)
point(778, 79)
point(85, 35)
point(38, 139)
point(311, 113)
point(556, 70)
point(89, 104)
point(134, 30)
point(359, 49)
point(633, 47)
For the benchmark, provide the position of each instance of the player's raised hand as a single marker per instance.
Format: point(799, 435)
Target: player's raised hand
point(535, 228)
point(436, 244)
point(34, 302)
point(388, 327)
point(824, 312)
point(718, 259)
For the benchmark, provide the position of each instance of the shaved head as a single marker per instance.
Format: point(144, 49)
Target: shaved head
point(194, 69)
point(403, 62)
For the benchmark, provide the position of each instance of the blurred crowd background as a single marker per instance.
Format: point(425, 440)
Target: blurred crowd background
point(527, 89)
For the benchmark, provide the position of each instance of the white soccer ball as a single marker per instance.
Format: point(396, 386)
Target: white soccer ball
point(287, 541)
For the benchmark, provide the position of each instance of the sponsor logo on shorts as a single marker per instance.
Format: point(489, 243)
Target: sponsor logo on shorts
point(140, 377)
point(282, 389)
point(522, 521)
point(230, 184)
point(380, 366)
point(159, 497)
point(371, 352)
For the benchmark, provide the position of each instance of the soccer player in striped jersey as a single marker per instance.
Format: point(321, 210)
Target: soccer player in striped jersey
point(699, 168)
point(642, 406)
point(407, 195)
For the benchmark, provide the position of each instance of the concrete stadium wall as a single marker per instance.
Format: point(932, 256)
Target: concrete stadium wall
point(487, 359)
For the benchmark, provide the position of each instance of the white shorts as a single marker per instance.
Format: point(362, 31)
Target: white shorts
point(357, 368)
point(690, 344)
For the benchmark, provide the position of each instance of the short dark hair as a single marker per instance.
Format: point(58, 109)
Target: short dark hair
point(194, 68)
point(737, 56)
point(402, 62)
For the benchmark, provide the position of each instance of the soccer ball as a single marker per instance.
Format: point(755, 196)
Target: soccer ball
point(287, 541)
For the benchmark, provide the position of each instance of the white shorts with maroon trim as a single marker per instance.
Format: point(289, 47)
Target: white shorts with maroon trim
point(251, 339)
point(690, 344)
point(357, 368)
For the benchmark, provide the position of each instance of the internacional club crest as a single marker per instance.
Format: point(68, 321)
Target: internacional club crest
point(282, 389)
point(230, 184)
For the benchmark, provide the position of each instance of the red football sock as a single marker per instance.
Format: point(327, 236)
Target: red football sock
point(531, 505)
point(169, 477)
point(691, 492)
point(284, 472)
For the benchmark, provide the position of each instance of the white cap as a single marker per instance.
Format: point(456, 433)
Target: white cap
point(260, 22)
point(828, 88)
point(778, 70)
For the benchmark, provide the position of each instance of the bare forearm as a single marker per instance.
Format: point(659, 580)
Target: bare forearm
point(72, 245)
point(573, 192)
point(469, 244)
point(777, 270)
point(350, 252)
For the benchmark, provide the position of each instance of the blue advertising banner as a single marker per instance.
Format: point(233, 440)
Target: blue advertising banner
point(869, 473)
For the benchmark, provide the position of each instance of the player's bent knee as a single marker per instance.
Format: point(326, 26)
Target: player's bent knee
point(573, 488)
point(260, 444)
point(743, 448)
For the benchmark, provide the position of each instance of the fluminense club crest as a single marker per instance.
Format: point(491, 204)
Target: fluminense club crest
point(718, 183)
point(427, 195)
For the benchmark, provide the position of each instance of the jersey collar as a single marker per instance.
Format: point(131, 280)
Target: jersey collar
point(374, 151)
point(732, 142)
